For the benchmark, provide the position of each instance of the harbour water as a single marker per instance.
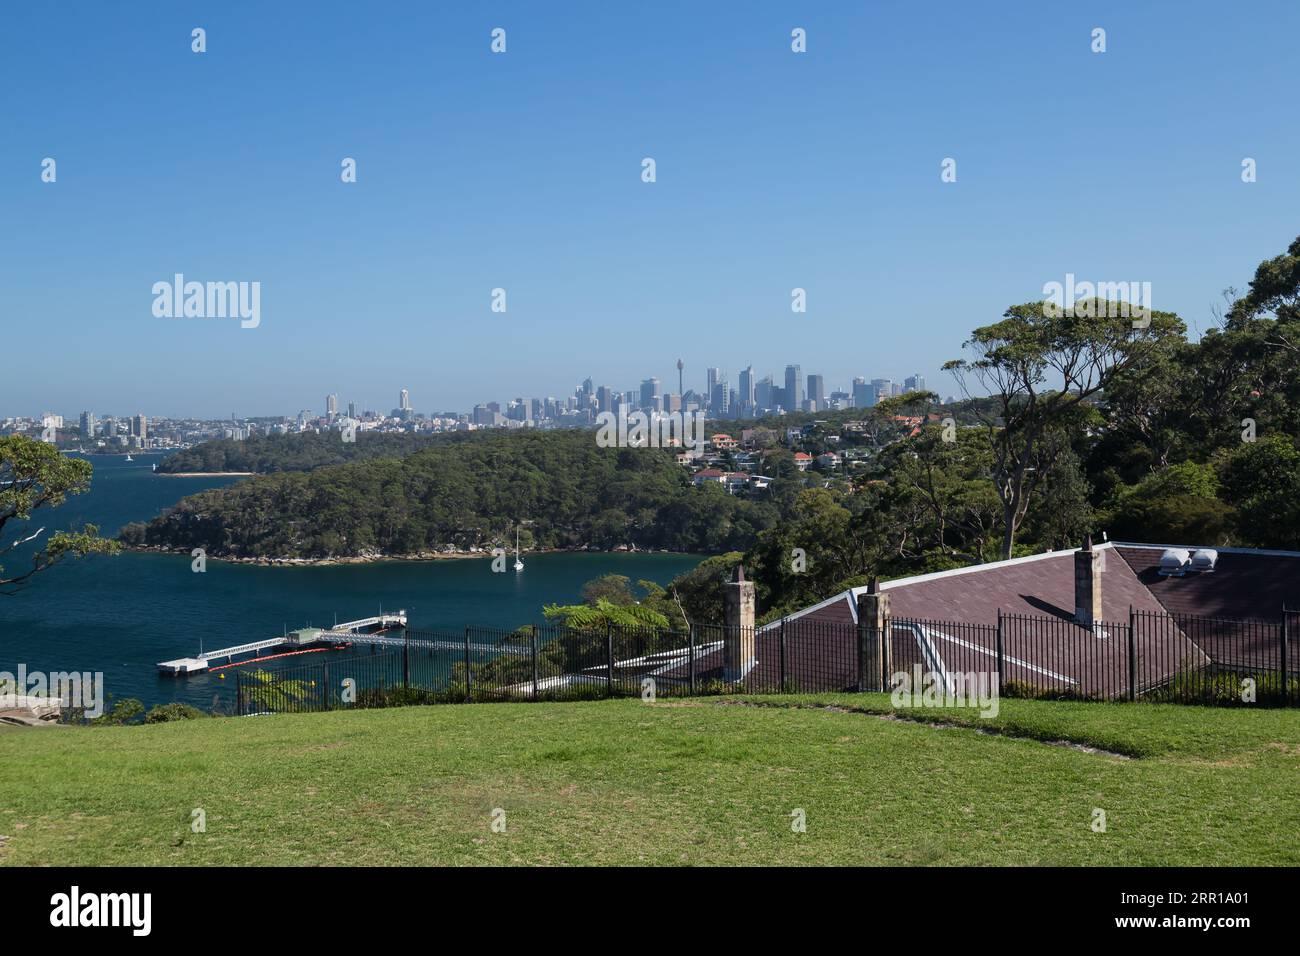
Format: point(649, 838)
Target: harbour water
point(123, 614)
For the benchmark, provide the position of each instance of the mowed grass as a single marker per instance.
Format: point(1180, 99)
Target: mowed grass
point(706, 781)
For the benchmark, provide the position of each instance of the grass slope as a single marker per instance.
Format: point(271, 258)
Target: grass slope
point(694, 782)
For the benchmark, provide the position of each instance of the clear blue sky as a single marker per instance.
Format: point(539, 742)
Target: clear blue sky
point(522, 170)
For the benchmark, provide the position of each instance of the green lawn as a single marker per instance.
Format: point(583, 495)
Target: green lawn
point(678, 782)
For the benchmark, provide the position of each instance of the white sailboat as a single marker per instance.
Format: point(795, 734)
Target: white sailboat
point(128, 457)
point(519, 565)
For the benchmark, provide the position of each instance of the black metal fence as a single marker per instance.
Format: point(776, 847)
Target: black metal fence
point(1148, 657)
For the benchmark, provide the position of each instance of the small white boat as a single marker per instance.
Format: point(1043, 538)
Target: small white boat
point(128, 457)
point(519, 565)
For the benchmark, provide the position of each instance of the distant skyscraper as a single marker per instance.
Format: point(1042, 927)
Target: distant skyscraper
point(793, 387)
point(863, 396)
point(604, 399)
point(718, 399)
point(649, 392)
point(404, 400)
point(331, 406)
point(763, 392)
point(914, 383)
point(140, 428)
point(714, 376)
point(352, 409)
point(681, 382)
point(881, 388)
point(746, 394)
point(87, 424)
point(817, 391)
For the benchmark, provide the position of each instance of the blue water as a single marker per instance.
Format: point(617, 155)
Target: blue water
point(123, 614)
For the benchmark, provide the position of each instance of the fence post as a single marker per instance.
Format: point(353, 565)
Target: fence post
point(1002, 655)
point(1286, 635)
point(325, 680)
point(468, 693)
point(1132, 655)
point(533, 642)
point(781, 640)
point(691, 657)
point(863, 648)
point(609, 659)
point(239, 694)
point(406, 661)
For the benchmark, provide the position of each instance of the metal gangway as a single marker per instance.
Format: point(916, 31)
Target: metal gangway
point(350, 631)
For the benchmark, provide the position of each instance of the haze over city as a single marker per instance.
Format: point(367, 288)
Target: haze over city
point(477, 172)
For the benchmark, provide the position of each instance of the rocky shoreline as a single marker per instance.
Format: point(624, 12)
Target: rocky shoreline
point(206, 474)
point(376, 558)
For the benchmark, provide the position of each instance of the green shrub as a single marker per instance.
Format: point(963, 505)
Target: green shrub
point(1027, 691)
point(162, 713)
point(125, 711)
point(1222, 688)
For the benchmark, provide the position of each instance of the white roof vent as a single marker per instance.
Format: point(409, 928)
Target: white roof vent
point(1205, 559)
point(1174, 561)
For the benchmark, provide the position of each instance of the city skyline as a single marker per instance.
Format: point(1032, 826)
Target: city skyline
point(585, 406)
point(861, 392)
point(478, 172)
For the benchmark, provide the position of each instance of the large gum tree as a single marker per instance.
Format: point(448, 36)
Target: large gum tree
point(1042, 366)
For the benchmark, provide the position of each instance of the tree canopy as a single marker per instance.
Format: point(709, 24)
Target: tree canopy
point(35, 476)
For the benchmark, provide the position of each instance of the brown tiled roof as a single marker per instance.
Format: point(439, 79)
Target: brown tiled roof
point(1038, 585)
point(1244, 585)
point(948, 620)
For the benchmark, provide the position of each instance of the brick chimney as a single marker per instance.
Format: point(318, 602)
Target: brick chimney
point(738, 634)
point(1087, 583)
point(874, 638)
